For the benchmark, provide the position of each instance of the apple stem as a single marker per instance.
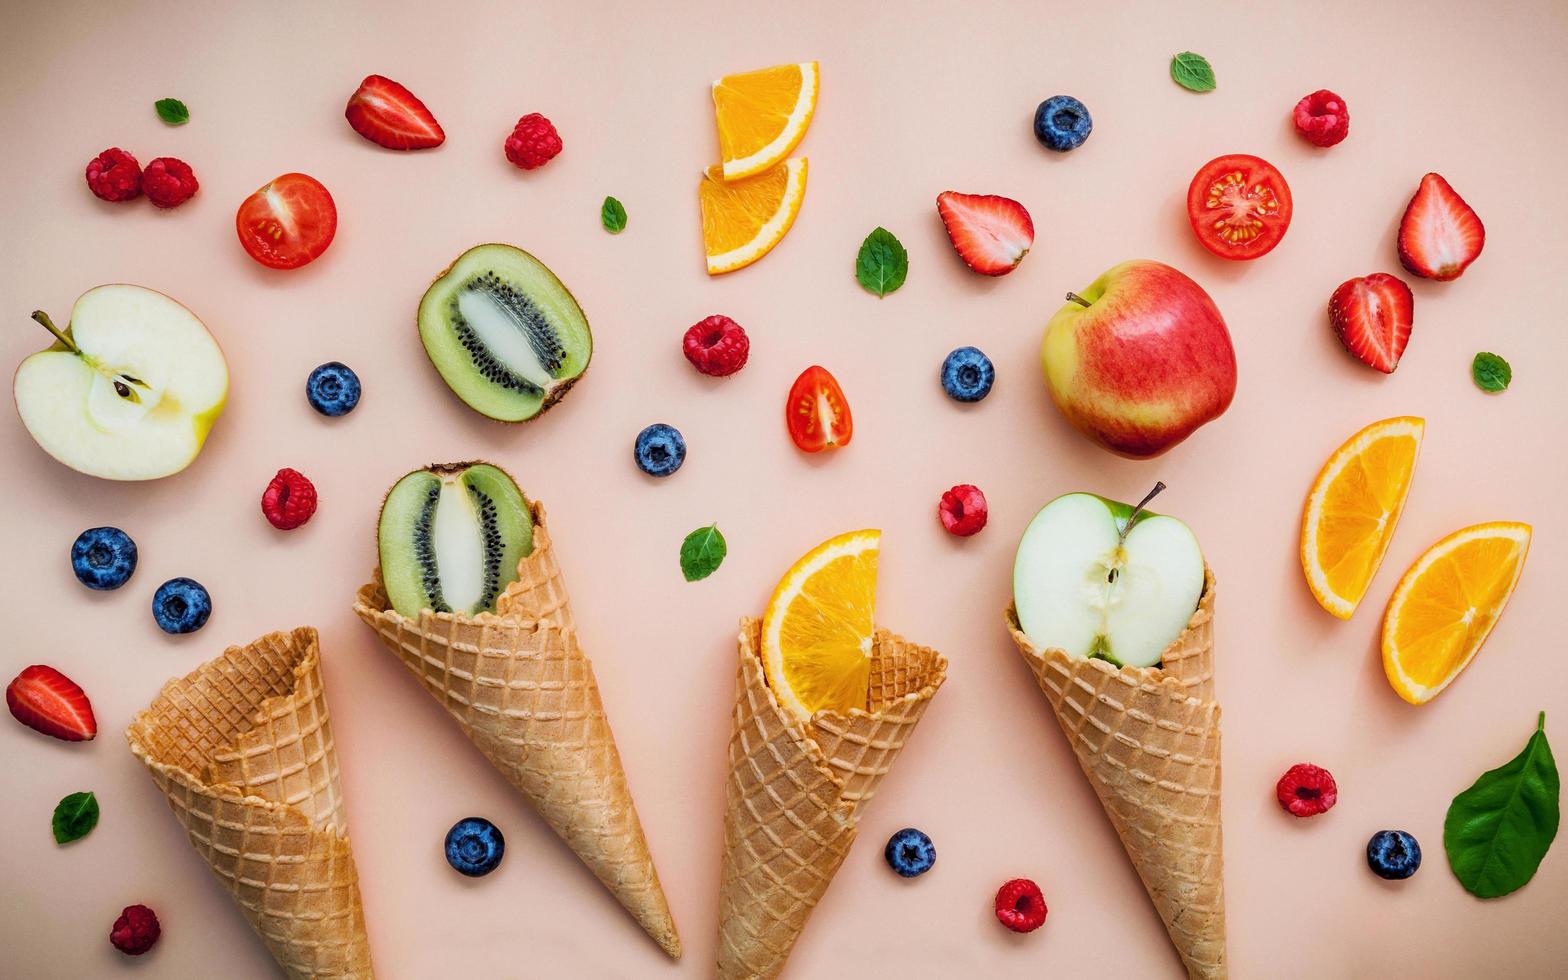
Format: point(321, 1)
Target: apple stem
point(1133, 518)
point(1075, 298)
point(43, 318)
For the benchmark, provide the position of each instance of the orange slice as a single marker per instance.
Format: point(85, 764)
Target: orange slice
point(817, 629)
point(1446, 605)
point(743, 219)
point(1352, 509)
point(762, 116)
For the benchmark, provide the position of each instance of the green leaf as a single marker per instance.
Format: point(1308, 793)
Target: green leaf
point(1499, 829)
point(1192, 72)
point(1491, 372)
point(702, 552)
point(75, 817)
point(172, 111)
point(613, 214)
point(882, 263)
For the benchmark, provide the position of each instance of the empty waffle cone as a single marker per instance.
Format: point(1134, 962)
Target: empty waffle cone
point(523, 691)
point(242, 747)
point(795, 791)
point(1148, 738)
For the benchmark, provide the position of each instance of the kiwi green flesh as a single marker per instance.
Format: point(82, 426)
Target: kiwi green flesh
point(504, 333)
point(451, 538)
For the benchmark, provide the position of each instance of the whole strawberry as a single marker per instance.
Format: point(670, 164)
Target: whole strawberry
point(114, 175)
point(289, 500)
point(533, 143)
point(169, 182)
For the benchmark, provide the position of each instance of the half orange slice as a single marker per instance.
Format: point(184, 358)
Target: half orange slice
point(762, 116)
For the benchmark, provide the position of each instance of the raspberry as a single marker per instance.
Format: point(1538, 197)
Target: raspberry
point(962, 510)
point(135, 931)
point(1306, 790)
point(1322, 118)
point(533, 143)
point(114, 175)
point(289, 500)
point(717, 346)
point(169, 182)
point(1020, 906)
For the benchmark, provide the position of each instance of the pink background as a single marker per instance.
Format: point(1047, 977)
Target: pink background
point(915, 100)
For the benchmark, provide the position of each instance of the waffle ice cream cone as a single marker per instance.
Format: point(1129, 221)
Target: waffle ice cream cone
point(795, 792)
point(1148, 738)
point(242, 747)
point(522, 690)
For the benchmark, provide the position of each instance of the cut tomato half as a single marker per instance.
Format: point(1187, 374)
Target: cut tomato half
point(287, 223)
point(1239, 206)
point(817, 412)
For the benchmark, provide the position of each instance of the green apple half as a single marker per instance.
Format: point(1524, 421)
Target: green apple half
point(1100, 578)
point(130, 388)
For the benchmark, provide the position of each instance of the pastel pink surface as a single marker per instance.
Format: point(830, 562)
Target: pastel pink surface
point(916, 99)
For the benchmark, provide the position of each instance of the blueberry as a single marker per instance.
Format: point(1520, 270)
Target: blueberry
point(1062, 123)
point(474, 846)
point(967, 374)
point(659, 449)
point(333, 389)
point(1393, 854)
point(103, 557)
point(181, 605)
point(910, 853)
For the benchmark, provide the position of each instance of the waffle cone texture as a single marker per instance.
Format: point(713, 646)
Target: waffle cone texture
point(1148, 739)
point(522, 690)
point(242, 748)
point(795, 791)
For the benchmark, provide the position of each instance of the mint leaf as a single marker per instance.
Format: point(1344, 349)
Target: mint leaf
point(172, 111)
point(1192, 72)
point(702, 552)
point(1497, 831)
point(882, 263)
point(75, 817)
point(1491, 372)
point(613, 214)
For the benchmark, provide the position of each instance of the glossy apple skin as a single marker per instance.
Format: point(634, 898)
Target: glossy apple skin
point(1145, 364)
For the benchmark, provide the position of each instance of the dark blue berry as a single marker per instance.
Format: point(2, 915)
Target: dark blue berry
point(910, 853)
point(1062, 123)
point(1393, 854)
point(474, 846)
point(659, 449)
point(333, 389)
point(181, 605)
point(967, 374)
point(103, 557)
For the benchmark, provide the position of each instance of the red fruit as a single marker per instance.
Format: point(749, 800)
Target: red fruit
point(963, 510)
point(1372, 317)
point(991, 234)
point(817, 414)
point(1322, 118)
point(1439, 235)
point(1239, 206)
point(1020, 906)
point(287, 223)
point(135, 931)
point(169, 182)
point(114, 175)
point(47, 701)
point(716, 346)
point(533, 143)
point(389, 115)
point(1306, 790)
point(289, 500)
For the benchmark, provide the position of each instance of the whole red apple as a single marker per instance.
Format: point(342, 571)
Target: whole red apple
point(1139, 359)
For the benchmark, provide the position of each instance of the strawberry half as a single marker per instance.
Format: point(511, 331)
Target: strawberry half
point(991, 234)
point(389, 115)
point(47, 701)
point(1439, 234)
point(1372, 316)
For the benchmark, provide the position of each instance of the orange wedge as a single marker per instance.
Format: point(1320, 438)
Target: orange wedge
point(762, 116)
point(1352, 509)
point(817, 629)
point(1446, 605)
point(743, 219)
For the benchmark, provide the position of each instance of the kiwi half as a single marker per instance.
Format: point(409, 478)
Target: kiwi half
point(507, 337)
point(451, 537)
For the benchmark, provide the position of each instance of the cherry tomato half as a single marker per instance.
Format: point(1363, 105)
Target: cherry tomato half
point(287, 223)
point(1239, 206)
point(817, 413)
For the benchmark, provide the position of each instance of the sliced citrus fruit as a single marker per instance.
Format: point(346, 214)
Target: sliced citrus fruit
point(743, 219)
point(762, 116)
point(1352, 508)
point(817, 629)
point(1446, 605)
